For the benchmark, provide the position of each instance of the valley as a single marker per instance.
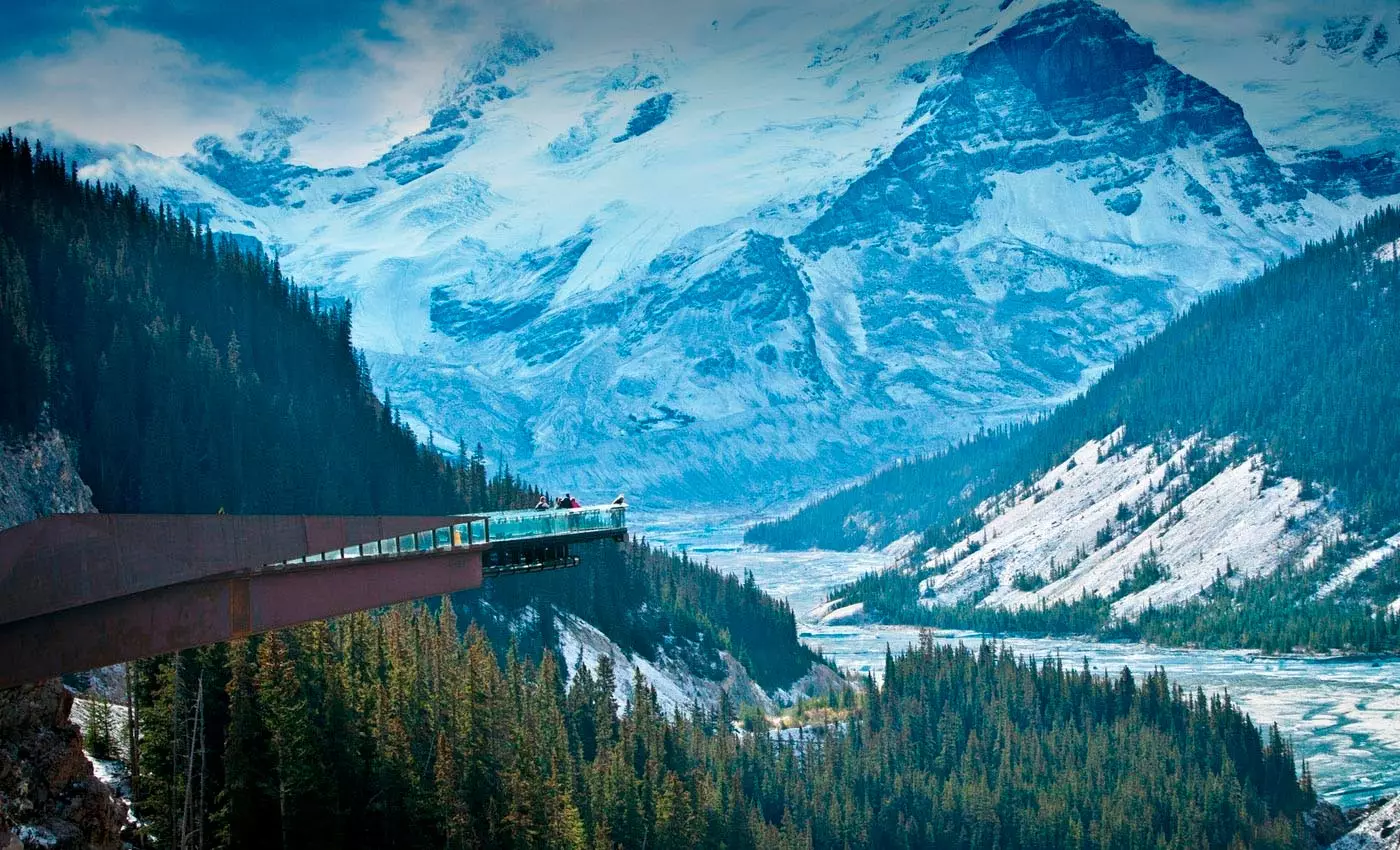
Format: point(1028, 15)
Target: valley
point(1343, 715)
point(1004, 395)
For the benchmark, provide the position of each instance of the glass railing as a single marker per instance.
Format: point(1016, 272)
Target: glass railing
point(516, 525)
point(480, 531)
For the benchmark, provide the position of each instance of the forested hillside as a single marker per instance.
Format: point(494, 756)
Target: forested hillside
point(1290, 376)
point(194, 377)
point(1301, 362)
point(391, 732)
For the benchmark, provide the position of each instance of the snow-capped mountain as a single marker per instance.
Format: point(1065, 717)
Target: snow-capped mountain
point(776, 247)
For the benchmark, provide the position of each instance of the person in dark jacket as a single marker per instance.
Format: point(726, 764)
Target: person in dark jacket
point(542, 504)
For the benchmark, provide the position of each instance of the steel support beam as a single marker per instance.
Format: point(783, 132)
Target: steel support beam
point(205, 611)
point(70, 560)
point(79, 591)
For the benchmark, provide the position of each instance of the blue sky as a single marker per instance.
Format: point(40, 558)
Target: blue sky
point(161, 73)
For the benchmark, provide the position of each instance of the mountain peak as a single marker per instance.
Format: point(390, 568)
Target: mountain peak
point(255, 166)
point(481, 83)
point(829, 233)
point(1072, 48)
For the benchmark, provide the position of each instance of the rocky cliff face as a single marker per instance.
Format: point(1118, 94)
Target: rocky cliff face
point(48, 795)
point(1068, 87)
point(38, 478)
point(1378, 831)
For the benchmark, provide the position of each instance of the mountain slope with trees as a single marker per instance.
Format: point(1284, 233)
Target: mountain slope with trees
point(1296, 367)
point(193, 377)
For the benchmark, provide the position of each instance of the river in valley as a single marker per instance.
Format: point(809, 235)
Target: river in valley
point(1343, 716)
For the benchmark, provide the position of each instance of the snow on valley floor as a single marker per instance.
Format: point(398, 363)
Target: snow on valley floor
point(1343, 716)
point(717, 536)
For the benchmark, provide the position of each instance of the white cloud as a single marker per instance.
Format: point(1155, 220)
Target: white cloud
point(115, 84)
point(112, 84)
point(360, 112)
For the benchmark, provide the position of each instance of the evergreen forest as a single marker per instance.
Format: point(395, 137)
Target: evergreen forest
point(394, 731)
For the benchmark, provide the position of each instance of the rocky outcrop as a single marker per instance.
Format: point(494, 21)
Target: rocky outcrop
point(38, 477)
point(1325, 824)
point(49, 796)
point(1378, 831)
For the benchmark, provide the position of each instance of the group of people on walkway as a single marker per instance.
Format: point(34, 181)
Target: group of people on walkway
point(568, 502)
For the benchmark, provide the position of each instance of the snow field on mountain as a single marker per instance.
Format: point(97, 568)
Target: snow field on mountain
point(649, 358)
point(1272, 61)
point(1051, 209)
point(1232, 524)
point(756, 126)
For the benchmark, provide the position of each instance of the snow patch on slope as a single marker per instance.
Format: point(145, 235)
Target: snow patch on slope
point(1357, 566)
point(1389, 253)
point(833, 613)
point(676, 688)
point(1052, 533)
point(1379, 831)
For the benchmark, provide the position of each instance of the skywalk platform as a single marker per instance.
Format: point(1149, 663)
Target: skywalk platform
point(79, 591)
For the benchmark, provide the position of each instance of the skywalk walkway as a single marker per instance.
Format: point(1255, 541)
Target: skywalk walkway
point(79, 591)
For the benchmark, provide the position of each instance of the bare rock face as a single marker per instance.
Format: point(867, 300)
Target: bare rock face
point(38, 477)
point(1325, 824)
point(49, 796)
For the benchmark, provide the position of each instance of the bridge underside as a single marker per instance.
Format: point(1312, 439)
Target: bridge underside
point(87, 590)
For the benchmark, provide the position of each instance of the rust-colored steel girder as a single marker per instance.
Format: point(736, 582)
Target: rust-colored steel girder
point(79, 591)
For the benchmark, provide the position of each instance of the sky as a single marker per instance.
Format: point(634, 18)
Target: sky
point(161, 73)
point(360, 74)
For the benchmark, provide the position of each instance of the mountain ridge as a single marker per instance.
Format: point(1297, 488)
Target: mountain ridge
point(970, 246)
point(1174, 501)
